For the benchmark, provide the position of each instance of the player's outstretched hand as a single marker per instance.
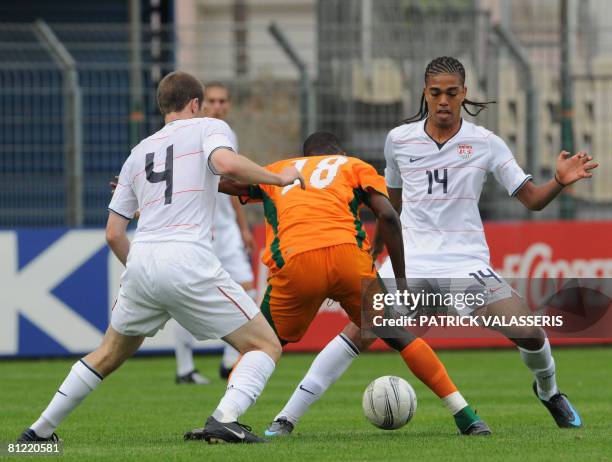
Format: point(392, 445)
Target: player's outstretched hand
point(571, 169)
point(290, 175)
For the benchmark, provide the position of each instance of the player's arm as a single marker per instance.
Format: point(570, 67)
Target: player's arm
point(378, 245)
point(393, 178)
point(395, 197)
point(232, 187)
point(226, 162)
point(389, 229)
point(245, 193)
point(122, 208)
point(116, 236)
point(569, 170)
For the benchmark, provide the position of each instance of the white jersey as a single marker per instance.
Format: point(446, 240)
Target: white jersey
point(225, 215)
point(441, 187)
point(168, 178)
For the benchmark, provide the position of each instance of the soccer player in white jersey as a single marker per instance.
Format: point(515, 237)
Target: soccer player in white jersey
point(172, 178)
point(232, 239)
point(436, 165)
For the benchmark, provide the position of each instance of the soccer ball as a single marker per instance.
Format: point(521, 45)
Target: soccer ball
point(389, 402)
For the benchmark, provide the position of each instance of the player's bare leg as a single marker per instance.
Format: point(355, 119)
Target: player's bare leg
point(114, 350)
point(260, 350)
point(85, 375)
point(535, 352)
point(230, 354)
point(186, 372)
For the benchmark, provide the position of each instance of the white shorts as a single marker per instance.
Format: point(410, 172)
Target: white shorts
point(229, 249)
point(183, 281)
point(473, 274)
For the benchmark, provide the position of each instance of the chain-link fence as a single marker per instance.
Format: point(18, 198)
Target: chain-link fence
point(65, 130)
point(32, 189)
point(356, 69)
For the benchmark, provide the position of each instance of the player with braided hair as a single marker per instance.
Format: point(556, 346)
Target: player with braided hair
point(446, 65)
point(436, 165)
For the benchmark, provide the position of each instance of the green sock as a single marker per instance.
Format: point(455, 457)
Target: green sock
point(465, 417)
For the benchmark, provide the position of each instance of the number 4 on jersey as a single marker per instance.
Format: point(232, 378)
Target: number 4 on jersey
point(323, 175)
point(166, 175)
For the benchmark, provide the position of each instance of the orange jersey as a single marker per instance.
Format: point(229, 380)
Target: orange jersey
point(323, 215)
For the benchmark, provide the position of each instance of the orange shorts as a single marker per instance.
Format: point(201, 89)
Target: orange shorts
point(296, 291)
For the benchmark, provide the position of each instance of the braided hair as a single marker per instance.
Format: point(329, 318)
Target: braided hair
point(446, 65)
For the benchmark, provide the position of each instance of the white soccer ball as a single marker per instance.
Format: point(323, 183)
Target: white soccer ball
point(389, 402)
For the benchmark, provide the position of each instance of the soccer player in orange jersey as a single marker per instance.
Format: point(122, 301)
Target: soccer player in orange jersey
point(317, 248)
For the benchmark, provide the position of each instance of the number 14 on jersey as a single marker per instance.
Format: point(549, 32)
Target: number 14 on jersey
point(435, 177)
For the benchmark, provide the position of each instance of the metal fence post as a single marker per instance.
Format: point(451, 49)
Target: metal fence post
point(492, 76)
point(568, 209)
point(73, 130)
point(136, 98)
point(531, 99)
point(307, 98)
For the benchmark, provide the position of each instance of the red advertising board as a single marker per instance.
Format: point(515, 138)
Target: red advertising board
point(549, 249)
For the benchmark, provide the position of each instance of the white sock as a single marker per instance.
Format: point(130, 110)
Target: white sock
point(81, 381)
point(454, 402)
point(542, 365)
point(245, 385)
point(183, 350)
point(327, 367)
point(230, 356)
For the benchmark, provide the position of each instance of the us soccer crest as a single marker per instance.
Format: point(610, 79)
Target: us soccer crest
point(465, 151)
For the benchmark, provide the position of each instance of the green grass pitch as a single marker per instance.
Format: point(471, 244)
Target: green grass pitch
point(140, 414)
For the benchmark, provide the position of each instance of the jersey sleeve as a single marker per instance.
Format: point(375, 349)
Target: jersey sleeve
point(366, 177)
point(124, 201)
point(393, 176)
point(504, 166)
point(217, 135)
